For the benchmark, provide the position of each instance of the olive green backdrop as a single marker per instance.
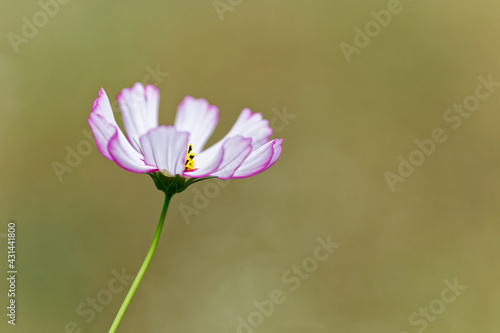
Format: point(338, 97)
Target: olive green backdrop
point(347, 105)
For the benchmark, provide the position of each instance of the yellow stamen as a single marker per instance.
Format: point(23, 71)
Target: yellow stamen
point(189, 165)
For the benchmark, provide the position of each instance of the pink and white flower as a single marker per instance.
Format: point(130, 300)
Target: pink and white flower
point(179, 149)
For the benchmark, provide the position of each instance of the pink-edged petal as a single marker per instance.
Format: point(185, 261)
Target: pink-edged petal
point(139, 108)
point(251, 125)
point(104, 126)
point(165, 147)
point(236, 150)
point(259, 160)
point(205, 163)
point(103, 131)
point(276, 152)
point(221, 162)
point(127, 157)
point(198, 118)
point(101, 106)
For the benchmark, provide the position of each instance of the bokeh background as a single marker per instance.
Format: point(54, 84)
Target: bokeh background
point(347, 124)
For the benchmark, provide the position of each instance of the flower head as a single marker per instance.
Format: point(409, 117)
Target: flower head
point(179, 150)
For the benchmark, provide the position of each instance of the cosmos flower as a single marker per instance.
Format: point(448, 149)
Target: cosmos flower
point(175, 156)
point(179, 149)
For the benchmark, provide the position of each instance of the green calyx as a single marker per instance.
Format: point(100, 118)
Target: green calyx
point(173, 185)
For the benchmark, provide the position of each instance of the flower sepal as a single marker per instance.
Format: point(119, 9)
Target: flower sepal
point(173, 185)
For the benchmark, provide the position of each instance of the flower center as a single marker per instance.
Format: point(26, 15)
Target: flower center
point(189, 165)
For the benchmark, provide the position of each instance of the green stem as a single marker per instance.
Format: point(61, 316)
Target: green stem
point(143, 268)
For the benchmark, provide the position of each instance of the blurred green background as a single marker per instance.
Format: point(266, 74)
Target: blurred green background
point(348, 123)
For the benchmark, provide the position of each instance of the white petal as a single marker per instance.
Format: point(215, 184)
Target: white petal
point(259, 160)
point(235, 149)
point(251, 125)
point(125, 156)
point(139, 108)
point(205, 163)
point(277, 149)
point(110, 139)
point(101, 106)
point(165, 147)
point(198, 118)
point(103, 132)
